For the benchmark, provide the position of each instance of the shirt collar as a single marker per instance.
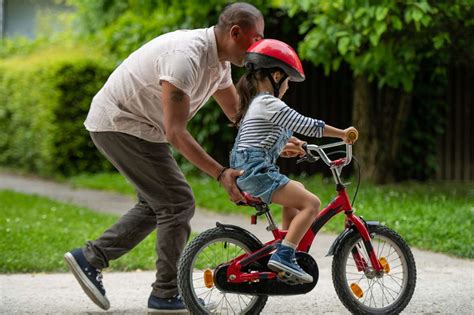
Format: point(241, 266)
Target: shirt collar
point(212, 56)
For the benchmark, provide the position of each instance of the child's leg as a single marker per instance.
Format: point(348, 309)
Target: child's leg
point(294, 195)
point(287, 216)
point(295, 198)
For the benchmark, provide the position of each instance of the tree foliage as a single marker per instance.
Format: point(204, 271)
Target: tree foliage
point(123, 26)
point(385, 40)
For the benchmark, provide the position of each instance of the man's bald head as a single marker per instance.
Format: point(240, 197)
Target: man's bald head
point(240, 13)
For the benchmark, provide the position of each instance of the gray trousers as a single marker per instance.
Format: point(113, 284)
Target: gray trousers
point(165, 204)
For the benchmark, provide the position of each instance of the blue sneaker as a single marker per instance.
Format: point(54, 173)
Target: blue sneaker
point(166, 305)
point(89, 277)
point(284, 260)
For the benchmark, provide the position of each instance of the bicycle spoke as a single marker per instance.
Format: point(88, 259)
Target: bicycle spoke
point(228, 303)
point(393, 299)
point(383, 294)
point(393, 280)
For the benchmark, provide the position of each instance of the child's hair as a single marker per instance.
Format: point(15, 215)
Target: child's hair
point(247, 89)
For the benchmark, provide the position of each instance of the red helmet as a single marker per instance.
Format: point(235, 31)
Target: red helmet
point(272, 53)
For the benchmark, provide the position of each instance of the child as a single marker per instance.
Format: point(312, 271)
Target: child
point(265, 132)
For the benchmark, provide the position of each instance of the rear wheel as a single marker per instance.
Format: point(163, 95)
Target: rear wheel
point(196, 270)
point(365, 292)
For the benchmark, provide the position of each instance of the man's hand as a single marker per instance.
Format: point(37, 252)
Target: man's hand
point(293, 148)
point(227, 180)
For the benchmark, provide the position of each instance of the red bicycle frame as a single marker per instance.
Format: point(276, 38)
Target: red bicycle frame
point(340, 204)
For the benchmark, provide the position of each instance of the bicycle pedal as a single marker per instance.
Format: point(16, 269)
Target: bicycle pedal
point(287, 278)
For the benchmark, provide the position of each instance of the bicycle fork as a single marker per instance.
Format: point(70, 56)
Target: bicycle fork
point(361, 263)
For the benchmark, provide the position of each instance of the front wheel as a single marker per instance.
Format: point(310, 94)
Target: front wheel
point(365, 291)
point(196, 269)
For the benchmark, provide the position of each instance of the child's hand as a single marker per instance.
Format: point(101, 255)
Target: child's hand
point(293, 148)
point(350, 135)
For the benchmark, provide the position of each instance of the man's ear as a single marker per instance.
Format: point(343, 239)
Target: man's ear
point(235, 31)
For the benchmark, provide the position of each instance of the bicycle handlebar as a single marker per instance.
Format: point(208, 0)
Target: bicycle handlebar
point(320, 150)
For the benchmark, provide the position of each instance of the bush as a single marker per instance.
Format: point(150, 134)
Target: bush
point(44, 99)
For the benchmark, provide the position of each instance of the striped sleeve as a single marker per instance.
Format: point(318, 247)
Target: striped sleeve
point(291, 119)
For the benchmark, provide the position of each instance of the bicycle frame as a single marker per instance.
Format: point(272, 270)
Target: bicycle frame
point(340, 204)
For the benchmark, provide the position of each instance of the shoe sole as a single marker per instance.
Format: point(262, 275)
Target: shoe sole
point(276, 266)
point(210, 307)
point(156, 311)
point(87, 286)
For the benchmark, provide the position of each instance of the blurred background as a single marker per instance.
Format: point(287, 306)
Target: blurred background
point(401, 72)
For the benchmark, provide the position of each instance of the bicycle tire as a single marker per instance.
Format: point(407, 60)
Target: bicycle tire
point(341, 284)
point(188, 259)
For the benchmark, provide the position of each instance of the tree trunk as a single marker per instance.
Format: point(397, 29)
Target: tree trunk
point(380, 116)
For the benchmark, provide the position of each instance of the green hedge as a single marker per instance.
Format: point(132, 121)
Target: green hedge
point(44, 99)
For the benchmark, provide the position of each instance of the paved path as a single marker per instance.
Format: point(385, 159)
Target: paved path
point(445, 284)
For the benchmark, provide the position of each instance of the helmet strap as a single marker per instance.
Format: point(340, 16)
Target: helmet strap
point(276, 85)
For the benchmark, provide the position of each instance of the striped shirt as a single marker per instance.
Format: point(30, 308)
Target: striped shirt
point(267, 117)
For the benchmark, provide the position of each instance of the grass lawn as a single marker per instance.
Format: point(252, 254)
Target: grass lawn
point(36, 232)
point(433, 216)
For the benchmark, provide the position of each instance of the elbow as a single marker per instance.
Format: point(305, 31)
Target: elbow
point(173, 136)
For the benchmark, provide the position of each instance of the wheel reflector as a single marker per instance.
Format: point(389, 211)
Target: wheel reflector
point(386, 267)
point(357, 290)
point(208, 280)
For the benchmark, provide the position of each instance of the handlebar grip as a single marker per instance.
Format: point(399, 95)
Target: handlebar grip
point(352, 135)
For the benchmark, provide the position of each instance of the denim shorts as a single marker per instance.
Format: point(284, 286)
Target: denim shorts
point(261, 176)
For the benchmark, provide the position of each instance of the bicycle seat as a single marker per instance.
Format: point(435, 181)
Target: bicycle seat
point(250, 200)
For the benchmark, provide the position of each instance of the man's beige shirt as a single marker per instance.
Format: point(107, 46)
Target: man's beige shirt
point(130, 101)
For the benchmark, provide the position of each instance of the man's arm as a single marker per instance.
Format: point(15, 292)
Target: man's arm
point(228, 99)
point(176, 111)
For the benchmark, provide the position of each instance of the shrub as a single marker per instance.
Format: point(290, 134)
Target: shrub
point(44, 99)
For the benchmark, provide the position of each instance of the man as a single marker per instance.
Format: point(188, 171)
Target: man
point(144, 105)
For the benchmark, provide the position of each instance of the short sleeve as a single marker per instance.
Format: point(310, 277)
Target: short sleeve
point(179, 70)
point(272, 105)
point(226, 79)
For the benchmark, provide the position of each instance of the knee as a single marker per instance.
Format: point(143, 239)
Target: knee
point(314, 205)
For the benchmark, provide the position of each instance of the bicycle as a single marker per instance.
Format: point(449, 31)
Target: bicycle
point(224, 269)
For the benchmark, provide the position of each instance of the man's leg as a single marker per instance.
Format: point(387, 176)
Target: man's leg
point(162, 188)
point(121, 237)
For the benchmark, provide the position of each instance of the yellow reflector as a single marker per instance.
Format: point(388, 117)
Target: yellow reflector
point(357, 290)
point(385, 265)
point(208, 281)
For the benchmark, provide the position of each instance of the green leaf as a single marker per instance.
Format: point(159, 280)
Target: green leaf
point(381, 13)
point(396, 22)
point(343, 45)
point(380, 28)
point(408, 16)
point(424, 6)
point(438, 41)
point(327, 69)
point(426, 20)
point(417, 14)
point(374, 39)
point(360, 12)
point(348, 19)
point(336, 63)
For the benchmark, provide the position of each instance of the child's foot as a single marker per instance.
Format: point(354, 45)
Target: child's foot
point(284, 260)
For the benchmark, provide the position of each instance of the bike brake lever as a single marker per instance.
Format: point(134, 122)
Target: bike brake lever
point(308, 158)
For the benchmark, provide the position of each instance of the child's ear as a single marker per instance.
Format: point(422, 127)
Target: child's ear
point(276, 76)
